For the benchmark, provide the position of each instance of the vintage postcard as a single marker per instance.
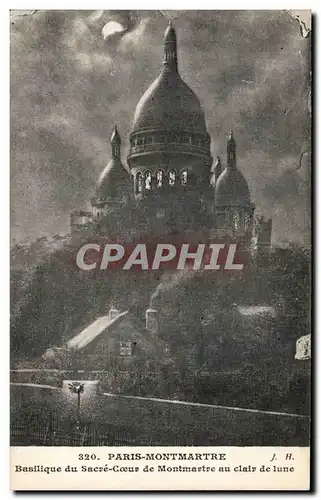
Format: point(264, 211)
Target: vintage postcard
point(160, 250)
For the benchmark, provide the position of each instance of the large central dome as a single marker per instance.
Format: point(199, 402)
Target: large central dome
point(169, 103)
point(169, 129)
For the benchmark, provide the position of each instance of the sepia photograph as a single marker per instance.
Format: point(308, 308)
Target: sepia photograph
point(160, 246)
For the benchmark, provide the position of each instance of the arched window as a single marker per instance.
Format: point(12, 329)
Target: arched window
point(159, 178)
point(184, 177)
point(172, 178)
point(148, 180)
point(236, 221)
point(173, 137)
point(160, 213)
point(247, 222)
point(221, 220)
point(139, 182)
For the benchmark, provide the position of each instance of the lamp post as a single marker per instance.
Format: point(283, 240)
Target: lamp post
point(77, 388)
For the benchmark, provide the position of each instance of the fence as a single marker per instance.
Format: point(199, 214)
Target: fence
point(42, 416)
point(55, 432)
point(229, 428)
point(39, 432)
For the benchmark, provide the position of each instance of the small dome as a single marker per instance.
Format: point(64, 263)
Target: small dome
point(231, 189)
point(113, 181)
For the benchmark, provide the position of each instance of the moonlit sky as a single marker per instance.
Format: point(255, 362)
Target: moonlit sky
point(74, 74)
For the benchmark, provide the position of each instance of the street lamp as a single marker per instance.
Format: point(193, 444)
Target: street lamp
point(77, 388)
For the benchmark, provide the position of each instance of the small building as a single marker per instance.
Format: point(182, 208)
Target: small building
point(115, 340)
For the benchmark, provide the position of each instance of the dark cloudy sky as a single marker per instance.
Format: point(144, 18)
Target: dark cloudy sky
point(72, 79)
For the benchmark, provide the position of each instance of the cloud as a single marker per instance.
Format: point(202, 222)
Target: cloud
point(70, 83)
point(135, 36)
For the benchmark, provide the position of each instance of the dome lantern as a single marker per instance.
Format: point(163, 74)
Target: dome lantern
point(170, 48)
point(231, 151)
point(115, 143)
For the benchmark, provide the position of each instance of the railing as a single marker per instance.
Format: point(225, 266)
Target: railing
point(217, 428)
point(119, 420)
point(164, 147)
point(52, 432)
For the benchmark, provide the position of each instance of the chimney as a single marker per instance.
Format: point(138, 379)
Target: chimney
point(113, 313)
point(152, 325)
